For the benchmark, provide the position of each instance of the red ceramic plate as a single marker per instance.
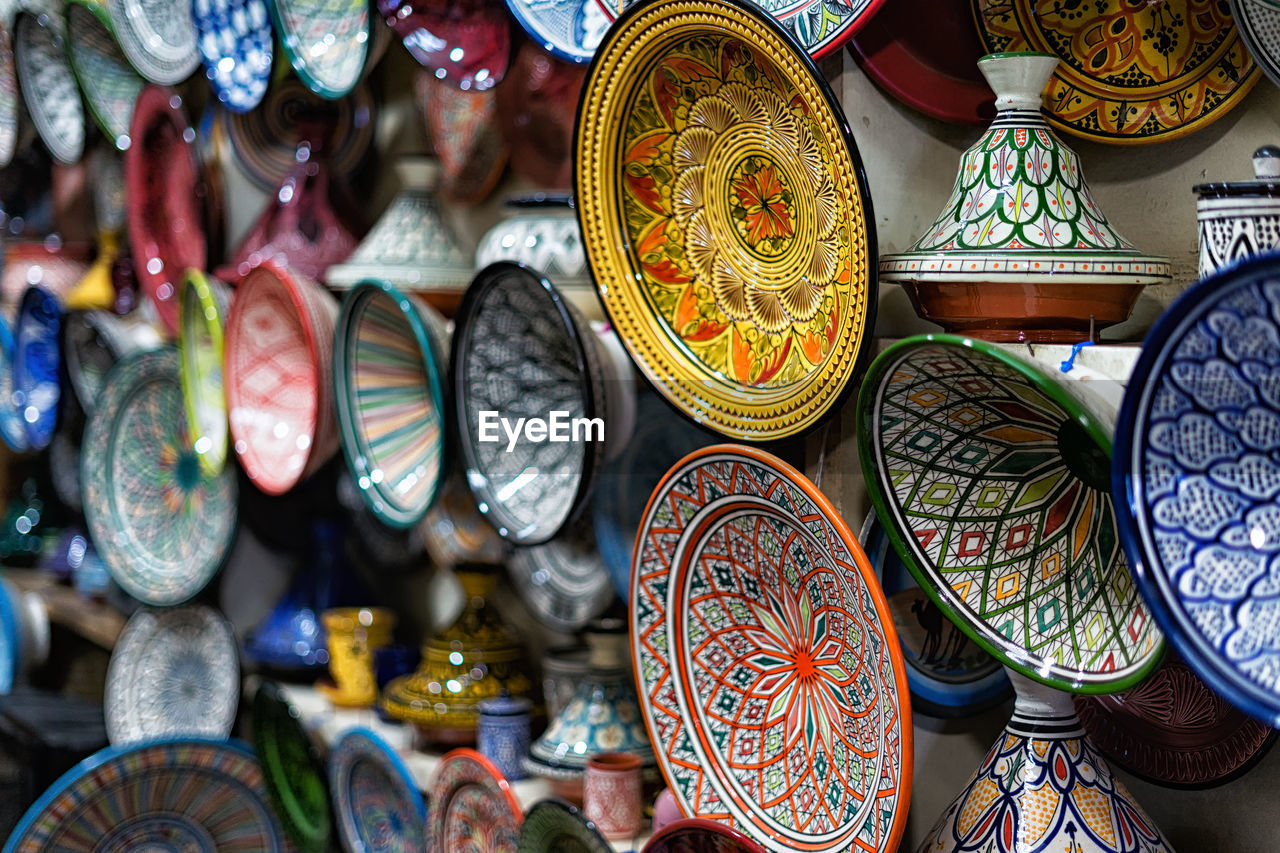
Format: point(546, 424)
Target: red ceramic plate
point(166, 231)
point(933, 69)
point(696, 835)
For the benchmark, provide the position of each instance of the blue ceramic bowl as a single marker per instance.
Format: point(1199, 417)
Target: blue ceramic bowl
point(236, 43)
point(37, 362)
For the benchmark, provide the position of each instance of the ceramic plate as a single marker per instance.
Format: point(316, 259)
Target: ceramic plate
point(235, 39)
point(389, 381)
point(10, 648)
point(162, 526)
point(326, 41)
point(92, 341)
point(472, 806)
point(466, 42)
point(567, 29)
point(1129, 72)
point(180, 794)
point(1174, 731)
point(108, 81)
point(158, 37)
point(726, 216)
point(9, 96)
point(949, 675)
point(173, 673)
point(555, 827)
point(203, 304)
point(463, 127)
point(377, 803)
point(48, 84)
point(934, 68)
point(37, 365)
point(1259, 24)
point(291, 767)
point(1197, 484)
point(991, 483)
point(700, 836)
point(12, 426)
point(166, 221)
point(518, 350)
point(770, 676)
point(563, 583)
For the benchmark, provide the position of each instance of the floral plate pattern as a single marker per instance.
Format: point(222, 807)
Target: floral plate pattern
point(377, 803)
point(472, 806)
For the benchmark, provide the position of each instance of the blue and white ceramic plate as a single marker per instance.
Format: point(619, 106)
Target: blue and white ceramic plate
point(11, 428)
point(569, 29)
point(1196, 479)
point(37, 361)
point(377, 803)
point(10, 644)
point(235, 39)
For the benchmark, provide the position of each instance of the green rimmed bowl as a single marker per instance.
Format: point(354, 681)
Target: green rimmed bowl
point(203, 304)
point(292, 770)
point(108, 81)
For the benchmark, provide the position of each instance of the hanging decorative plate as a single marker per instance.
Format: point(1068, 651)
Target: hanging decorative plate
point(203, 304)
point(563, 583)
point(166, 222)
point(377, 803)
point(173, 673)
point(463, 126)
point(693, 835)
point(466, 42)
point(266, 139)
point(991, 483)
point(1174, 731)
point(1197, 483)
point(1129, 72)
point(949, 675)
point(108, 81)
point(158, 37)
point(92, 341)
point(47, 83)
point(726, 216)
point(770, 676)
point(183, 794)
point(567, 29)
point(10, 643)
point(934, 68)
point(9, 96)
point(326, 42)
point(389, 378)
point(294, 775)
point(1259, 23)
point(552, 826)
point(236, 43)
point(12, 427)
point(472, 806)
point(161, 525)
point(37, 365)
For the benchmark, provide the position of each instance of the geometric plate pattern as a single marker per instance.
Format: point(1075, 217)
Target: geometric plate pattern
point(993, 486)
point(770, 675)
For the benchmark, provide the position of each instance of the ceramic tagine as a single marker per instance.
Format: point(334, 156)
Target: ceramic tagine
point(1020, 250)
point(476, 658)
point(1238, 219)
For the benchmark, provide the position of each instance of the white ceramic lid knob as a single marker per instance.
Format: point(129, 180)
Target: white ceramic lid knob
point(1018, 79)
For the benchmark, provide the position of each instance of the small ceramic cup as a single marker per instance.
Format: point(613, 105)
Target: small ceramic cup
point(611, 794)
point(353, 634)
point(502, 733)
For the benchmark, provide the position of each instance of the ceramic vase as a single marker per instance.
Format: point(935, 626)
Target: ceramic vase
point(353, 633)
point(1020, 251)
point(503, 733)
point(611, 793)
point(1239, 219)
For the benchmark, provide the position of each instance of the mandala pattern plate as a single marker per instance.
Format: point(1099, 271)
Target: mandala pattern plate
point(172, 795)
point(173, 673)
point(327, 42)
point(235, 39)
point(48, 84)
point(1259, 23)
point(376, 802)
point(555, 827)
point(472, 806)
point(693, 835)
point(725, 216)
point(161, 525)
point(158, 36)
point(109, 83)
point(202, 308)
point(992, 485)
point(1197, 471)
point(37, 365)
point(1130, 72)
point(294, 776)
point(770, 676)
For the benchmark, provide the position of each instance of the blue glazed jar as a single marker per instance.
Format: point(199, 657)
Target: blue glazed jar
point(503, 733)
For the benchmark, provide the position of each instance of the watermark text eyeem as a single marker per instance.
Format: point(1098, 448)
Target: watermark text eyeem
point(558, 426)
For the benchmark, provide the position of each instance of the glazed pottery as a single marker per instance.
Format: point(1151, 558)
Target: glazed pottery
point(567, 29)
point(47, 82)
point(535, 115)
point(1195, 483)
point(389, 379)
point(292, 770)
point(12, 425)
point(1239, 219)
point(1129, 72)
point(375, 800)
point(1174, 731)
point(278, 374)
point(472, 806)
point(502, 733)
point(37, 365)
point(166, 221)
point(768, 668)
point(695, 835)
point(10, 642)
point(192, 793)
point(10, 99)
point(666, 810)
point(463, 127)
point(1020, 250)
point(352, 634)
point(235, 40)
point(464, 42)
point(611, 791)
point(603, 716)
point(158, 36)
point(93, 341)
point(108, 81)
point(161, 524)
point(24, 634)
point(563, 669)
point(564, 583)
point(1259, 25)
point(291, 637)
point(454, 531)
point(991, 483)
point(203, 303)
point(327, 43)
point(173, 673)
point(52, 265)
point(475, 658)
point(552, 826)
point(734, 253)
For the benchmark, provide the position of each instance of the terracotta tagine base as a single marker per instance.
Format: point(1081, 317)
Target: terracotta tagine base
point(1013, 312)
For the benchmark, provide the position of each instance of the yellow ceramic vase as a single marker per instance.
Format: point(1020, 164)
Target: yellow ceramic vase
point(353, 634)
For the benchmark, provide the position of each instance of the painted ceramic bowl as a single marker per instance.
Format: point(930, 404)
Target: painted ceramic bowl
point(375, 800)
point(734, 257)
point(551, 826)
point(166, 221)
point(10, 98)
point(278, 373)
point(37, 365)
point(12, 425)
point(1020, 250)
point(158, 37)
point(1258, 22)
point(292, 769)
point(24, 634)
point(93, 341)
point(694, 835)
point(1240, 219)
point(327, 43)
point(472, 806)
point(162, 525)
point(564, 582)
point(463, 127)
point(236, 44)
point(203, 306)
point(535, 115)
point(390, 386)
point(47, 82)
point(466, 43)
point(108, 81)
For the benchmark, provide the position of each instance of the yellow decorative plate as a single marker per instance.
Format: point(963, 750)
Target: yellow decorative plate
point(726, 216)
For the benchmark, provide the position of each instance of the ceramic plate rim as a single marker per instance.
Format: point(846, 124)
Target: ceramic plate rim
point(287, 39)
point(466, 753)
point(98, 11)
point(203, 285)
point(308, 836)
point(12, 637)
point(11, 428)
point(569, 812)
point(713, 827)
point(374, 746)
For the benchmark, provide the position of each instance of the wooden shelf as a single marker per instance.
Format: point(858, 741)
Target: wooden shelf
point(95, 621)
